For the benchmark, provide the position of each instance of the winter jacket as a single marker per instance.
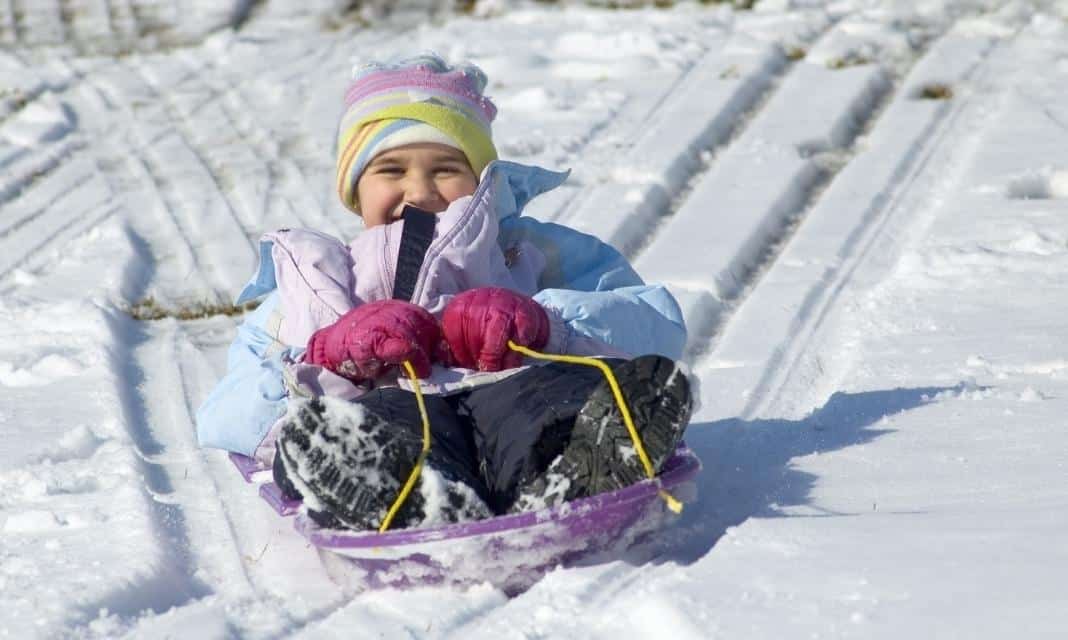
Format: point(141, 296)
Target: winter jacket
point(596, 302)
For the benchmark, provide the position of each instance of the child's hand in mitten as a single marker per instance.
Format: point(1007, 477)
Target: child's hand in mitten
point(375, 336)
point(477, 325)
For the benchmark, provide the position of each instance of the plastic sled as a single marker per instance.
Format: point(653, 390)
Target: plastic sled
point(511, 551)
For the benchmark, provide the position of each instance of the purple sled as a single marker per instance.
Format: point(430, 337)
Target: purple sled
point(510, 551)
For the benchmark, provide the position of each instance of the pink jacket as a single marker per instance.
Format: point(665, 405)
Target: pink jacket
point(318, 278)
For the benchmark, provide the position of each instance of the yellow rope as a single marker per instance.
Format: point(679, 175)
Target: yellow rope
point(672, 502)
point(414, 475)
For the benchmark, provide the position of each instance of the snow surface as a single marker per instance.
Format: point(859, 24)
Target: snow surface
point(862, 206)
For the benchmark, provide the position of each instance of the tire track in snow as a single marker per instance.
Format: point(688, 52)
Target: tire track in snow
point(761, 187)
point(767, 367)
point(30, 249)
point(188, 560)
point(235, 108)
point(38, 138)
point(143, 166)
point(26, 167)
point(666, 157)
point(132, 176)
point(54, 201)
point(183, 127)
point(49, 186)
point(33, 214)
point(203, 221)
point(218, 157)
point(121, 132)
point(50, 224)
point(722, 93)
point(619, 125)
point(867, 248)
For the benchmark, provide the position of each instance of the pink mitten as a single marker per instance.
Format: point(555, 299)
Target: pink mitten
point(477, 325)
point(374, 336)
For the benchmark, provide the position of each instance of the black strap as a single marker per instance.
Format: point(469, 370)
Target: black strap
point(415, 240)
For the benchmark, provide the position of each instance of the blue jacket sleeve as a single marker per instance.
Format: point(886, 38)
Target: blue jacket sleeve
point(596, 291)
point(636, 320)
point(250, 398)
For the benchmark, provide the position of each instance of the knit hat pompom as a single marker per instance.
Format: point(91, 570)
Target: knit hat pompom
point(412, 100)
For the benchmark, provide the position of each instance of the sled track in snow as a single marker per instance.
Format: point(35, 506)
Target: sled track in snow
point(174, 583)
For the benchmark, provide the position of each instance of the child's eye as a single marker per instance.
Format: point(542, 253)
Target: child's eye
point(391, 171)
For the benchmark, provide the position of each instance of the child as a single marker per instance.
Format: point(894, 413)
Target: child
point(447, 273)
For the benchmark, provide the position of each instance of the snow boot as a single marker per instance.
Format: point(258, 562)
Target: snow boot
point(601, 456)
point(350, 460)
point(289, 491)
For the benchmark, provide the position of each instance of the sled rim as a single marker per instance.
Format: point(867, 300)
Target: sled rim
point(681, 466)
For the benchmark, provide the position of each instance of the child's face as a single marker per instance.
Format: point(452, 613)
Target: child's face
point(427, 175)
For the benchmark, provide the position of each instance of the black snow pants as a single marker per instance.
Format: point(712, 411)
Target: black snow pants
point(505, 433)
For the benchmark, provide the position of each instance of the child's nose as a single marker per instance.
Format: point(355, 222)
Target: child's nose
point(423, 193)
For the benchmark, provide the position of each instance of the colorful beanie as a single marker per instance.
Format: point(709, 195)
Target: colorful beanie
point(420, 99)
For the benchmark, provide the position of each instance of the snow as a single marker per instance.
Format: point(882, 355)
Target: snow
point(860, 205)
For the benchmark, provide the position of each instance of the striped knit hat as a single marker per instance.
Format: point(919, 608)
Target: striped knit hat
point(420, 99)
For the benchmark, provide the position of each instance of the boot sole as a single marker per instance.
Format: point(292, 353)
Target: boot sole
point(340, 479)
point(601, 455)
point(354, 469)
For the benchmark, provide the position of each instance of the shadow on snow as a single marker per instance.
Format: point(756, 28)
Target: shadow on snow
point(747, 464)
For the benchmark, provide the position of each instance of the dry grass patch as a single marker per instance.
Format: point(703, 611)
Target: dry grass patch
point(936, 91)
point(151, 309)
point(851, 60)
